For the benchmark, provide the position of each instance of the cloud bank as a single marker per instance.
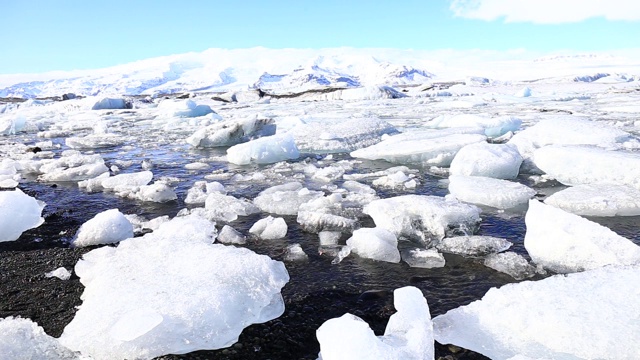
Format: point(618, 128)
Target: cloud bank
point(546, 11)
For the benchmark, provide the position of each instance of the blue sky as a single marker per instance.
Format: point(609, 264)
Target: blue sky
point(46, 35)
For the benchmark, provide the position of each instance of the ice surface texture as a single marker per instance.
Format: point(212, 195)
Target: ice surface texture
point(171, 291)
point(423, 218)
point(588, 315)
point(18, 212)
point(565, 242)
point(408, 336)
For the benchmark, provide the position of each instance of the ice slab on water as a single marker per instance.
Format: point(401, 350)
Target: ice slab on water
point(588, 315)
point(334, 212)
point(421, 218)
point(428, 151)
point(266, 150)
point(294, 252)
point(576, 165)
point(18, 212)
point(229, 235)
point(107, 227)
point(598, 200)
point(111, 104)
point(493, 127)
point(71, 166)
point(61, 273)
point(220, 207)
point(423, 258)
point(500, 161)
point(475, 245)
point(285, 199)
point(24, 339)
point(512, 264)
point(497, 193)
point(408, 336)
point(198, 193)
point(183, 108)
point(269, 228)
point(570, 130)
point(565, 242)
point(345, 135)
point(374, 243)
point(156, 295)
point(231, 132)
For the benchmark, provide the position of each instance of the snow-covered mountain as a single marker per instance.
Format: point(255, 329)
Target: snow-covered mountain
point(284, 71)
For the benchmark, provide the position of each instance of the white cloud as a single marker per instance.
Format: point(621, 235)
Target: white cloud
point(546, 11)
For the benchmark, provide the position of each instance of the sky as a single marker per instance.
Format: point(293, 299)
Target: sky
point(46, 35)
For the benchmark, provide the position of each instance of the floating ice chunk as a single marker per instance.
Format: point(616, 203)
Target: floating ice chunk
point(473, 245)
point(512, 264)
point(232, 132)
point(183, 108)
point(269, 228)
point(374, 243)
point(438, 151)
point(493, 127)
point(576, 165)
point(408, 336)
point(61, 273)
point(220, 207)
point(229, 235)
point(95, 141)
point(139, 223)
point(197, 166)
point(589, 315)
point(394, 180)
point(156, 192)
point(127, 180)
point(12, 125)
point(328, 238)
point(327, 214)
point(423, 218)
point(295, 253)
point(343, 135)
point(564, 242)
point(200, 190)
point(500, 161)
point(18, 212)
point(563, 130)
point(144, 298)
point(266, 150)
point(24, 339)
point(423, 258)
point(598, 200)
point(107, 227)
point(111, 104)
point(501, 194)
point(72, 166)
point(524, 92)
point(285, 199)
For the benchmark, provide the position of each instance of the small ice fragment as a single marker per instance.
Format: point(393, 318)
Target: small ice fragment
point(61, 273)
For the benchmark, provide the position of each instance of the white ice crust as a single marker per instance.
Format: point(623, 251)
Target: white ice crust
point(565, 242)
point(588, 315)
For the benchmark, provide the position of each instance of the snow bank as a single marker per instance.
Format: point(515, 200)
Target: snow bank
point(232, 132)
point(408, 336)
point(344, 135)
point(598, 200)
point(266, 150)
point(564, 242)
point(501, 194)
point(423, 218)
point(18, 212)
point(145, 298)
point(24, 339)
point(428, 151)
point(576, 165)
point(374, 243)
point(107, 227)
point(500, 161)
point(493, 127)
point(589, 315)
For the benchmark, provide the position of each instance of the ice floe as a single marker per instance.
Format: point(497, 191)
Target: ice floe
point(266, 150)
point(493, 127)
point(285, 199)
point(183, 108)
point(269, 228)
point(588, 315)
point(423, 258)
point(145, 298)
point(475, 245)
point(374, 243)
point(512, 264)
point(18, 212)
point(564, 242)
point(598, 200)
point(421, 218)
point(501, 194)
point(229, 235)
point(409, 333)
point(500, 161)
point(231, 132)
